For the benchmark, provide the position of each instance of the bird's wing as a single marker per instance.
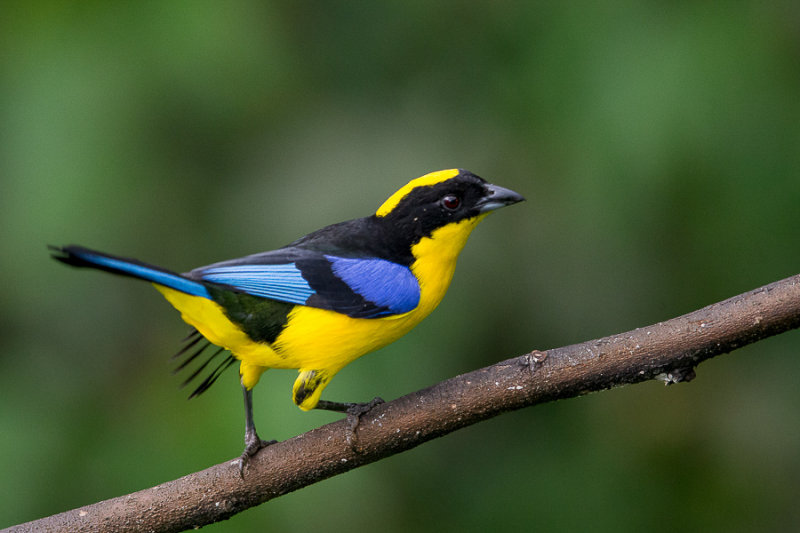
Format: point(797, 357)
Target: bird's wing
point(360, 287)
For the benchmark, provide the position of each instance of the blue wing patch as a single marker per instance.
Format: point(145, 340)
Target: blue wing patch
point(361, 288)
point(282, 282)
point(384, 283)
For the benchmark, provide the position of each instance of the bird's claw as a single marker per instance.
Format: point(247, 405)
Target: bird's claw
point(251, 447)
point(354, 413)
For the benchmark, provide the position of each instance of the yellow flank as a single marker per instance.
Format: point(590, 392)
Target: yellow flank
point(428, 179)
point(319, 342)
point(208, 317)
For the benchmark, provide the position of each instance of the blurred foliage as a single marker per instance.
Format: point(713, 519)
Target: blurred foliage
point(658, 144)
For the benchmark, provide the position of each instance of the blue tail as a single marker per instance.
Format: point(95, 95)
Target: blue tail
point(83, 257)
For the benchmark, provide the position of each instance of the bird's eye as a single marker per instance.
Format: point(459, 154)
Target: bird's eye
point(451, 202)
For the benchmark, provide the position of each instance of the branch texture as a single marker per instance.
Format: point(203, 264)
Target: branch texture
point(668, 351)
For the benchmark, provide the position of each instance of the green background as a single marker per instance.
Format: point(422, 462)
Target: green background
point(658, 144)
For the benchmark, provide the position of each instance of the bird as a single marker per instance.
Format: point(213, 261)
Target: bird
point(324, 300)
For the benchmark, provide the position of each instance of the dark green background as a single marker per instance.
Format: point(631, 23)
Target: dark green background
point(658, 144)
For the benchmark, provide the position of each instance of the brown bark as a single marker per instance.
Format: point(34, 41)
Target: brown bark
point(668, 351)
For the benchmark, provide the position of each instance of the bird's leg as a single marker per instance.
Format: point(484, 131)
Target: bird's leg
point(353, 411)
point(252, 442)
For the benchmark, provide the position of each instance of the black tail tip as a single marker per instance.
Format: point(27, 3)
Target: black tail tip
point(59, 253)
point(65, 254)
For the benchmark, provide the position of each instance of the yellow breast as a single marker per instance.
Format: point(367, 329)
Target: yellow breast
point(320, 339)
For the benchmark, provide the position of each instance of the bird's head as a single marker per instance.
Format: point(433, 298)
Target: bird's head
point(444, 197)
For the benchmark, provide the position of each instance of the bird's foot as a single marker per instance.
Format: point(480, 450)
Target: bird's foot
point(252, 443)
point(354, 412)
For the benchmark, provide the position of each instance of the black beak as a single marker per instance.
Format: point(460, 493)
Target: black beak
point(497, 197)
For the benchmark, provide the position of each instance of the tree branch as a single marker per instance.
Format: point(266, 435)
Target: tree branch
point(668, 351)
